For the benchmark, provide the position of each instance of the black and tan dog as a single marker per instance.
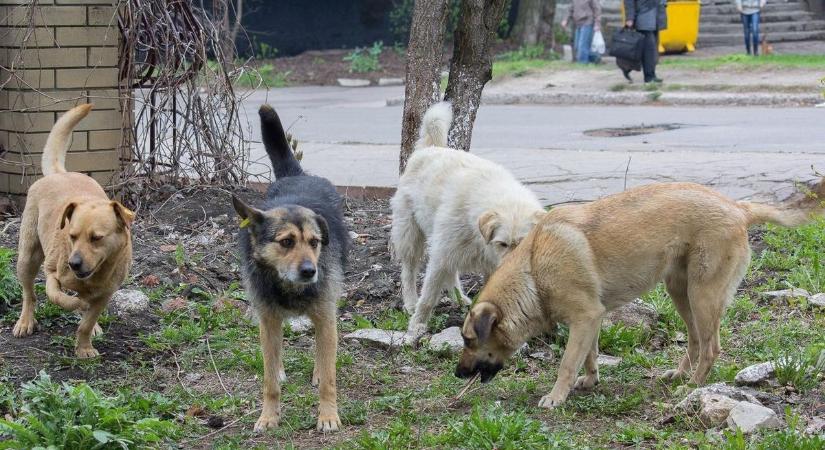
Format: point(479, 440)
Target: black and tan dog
point(81, 238)
point(293, 252)
point(581, 261)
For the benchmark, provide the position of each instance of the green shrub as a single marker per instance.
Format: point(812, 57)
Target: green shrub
point(619, 339)
point(76, 417)
point(9, 287)
point(496, 429)
point(363, 60)
point(801, 368)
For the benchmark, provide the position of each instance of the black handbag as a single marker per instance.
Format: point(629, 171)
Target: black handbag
point(627, 44)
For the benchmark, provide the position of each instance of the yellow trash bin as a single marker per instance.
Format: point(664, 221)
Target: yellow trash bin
point(682, 26)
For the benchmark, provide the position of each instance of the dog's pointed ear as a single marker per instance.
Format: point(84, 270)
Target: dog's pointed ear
point(245, 211)
point(487, 225)
point(124, 215)
point(68, 211)
point(486, 317)
point(324, 227)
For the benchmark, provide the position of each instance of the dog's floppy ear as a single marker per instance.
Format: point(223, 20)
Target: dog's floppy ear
point(487, 225)
point(124, 215)
point(245, 211)
point(68, 211)
point(486, 317)
point(322, 225)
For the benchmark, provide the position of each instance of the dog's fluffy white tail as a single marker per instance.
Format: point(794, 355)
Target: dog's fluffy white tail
point(435, 125)
point(60, 138)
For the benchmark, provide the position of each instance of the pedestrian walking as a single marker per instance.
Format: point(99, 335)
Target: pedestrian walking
point(749, 11)
point(647, 17)
point(586, 16)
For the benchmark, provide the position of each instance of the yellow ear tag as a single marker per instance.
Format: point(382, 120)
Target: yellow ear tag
point(245, 223)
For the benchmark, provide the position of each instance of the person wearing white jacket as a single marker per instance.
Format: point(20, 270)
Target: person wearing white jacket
point(749, 10)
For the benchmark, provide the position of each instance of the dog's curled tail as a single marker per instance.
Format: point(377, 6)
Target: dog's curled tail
point(435, 125)
point(284, 163)
point(60, 138)
point(789, 214)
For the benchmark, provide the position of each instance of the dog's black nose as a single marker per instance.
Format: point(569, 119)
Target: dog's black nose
point(307, 270)
point(75, 263)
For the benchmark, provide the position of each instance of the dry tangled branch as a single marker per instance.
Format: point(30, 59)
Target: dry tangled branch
point(186, 124)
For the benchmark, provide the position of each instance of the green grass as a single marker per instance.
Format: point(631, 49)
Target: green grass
point(264, 76)
point(795, 255)
point(9, 287)
point(52, 415)
point(744, 61)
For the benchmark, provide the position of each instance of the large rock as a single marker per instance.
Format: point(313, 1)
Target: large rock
point(635, 314)
point(448, 340)
point(756, 374)
point(692, 402)
point(817, 299)
point(129, 301)
point(300, 324)
point(381, 338)
point(714, 408)
point(607, 360)
point(750, 417)
point(785, 294)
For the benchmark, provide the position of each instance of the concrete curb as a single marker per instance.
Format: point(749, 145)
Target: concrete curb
point(642, 98)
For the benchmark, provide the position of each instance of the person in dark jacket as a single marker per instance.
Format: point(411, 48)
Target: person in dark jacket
point(647, 17)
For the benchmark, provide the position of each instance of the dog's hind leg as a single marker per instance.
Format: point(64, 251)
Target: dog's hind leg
point(408, 244)
point(271, 334)
point(710, 289)
point(437, 278)
point(326, 347)
point(30, 257)
point(591, 367)
point(676, 285)
point(462, 296)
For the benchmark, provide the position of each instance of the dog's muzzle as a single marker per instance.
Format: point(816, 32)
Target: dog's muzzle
point(76, 264)
point(487, 370)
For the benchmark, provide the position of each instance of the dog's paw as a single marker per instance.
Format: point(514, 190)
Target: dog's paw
point(672, 375)
point(417, 330)
point(86, 352)
point(24, 327)
point(586, 382)
point(266, 421)
point(328, 422)
point(549, 402)
point(97, 330)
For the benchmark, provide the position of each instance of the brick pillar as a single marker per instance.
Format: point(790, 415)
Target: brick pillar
point(69, 57)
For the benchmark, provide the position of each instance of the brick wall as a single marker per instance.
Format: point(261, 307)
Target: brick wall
point(69, 57)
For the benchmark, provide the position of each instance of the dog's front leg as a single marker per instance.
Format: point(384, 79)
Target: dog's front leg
point(271, 334)
point(326, 347)
point(579, 344)
point(60, 298)
point(88, 322)
point(591, 367)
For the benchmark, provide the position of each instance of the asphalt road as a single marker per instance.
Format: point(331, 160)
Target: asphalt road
point(351, 137)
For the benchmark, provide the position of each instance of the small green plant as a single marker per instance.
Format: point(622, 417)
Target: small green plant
point(9, 287)
point(363, 60)
point(619, 339)
point(801, 368)
point(266, 51)
point(77, 417)
point(180, 256)
point(496, 429)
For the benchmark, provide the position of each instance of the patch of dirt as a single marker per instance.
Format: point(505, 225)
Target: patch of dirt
point(324, 67)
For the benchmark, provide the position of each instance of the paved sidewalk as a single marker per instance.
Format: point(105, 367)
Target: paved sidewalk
point(349, 136)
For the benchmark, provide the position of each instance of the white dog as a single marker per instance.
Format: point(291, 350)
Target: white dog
point(470, 211)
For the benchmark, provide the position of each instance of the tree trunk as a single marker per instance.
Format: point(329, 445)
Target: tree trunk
point(424, 54)
point(471, 66)
point(534, 22)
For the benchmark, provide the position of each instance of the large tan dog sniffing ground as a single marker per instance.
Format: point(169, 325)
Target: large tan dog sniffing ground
point(581, 261)
point(80, 237)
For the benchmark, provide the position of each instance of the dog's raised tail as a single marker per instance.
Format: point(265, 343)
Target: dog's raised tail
point(277, 147)
point(792, 213)
point(435, 125)
point(60, 138)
